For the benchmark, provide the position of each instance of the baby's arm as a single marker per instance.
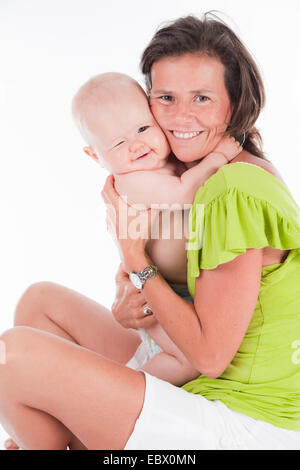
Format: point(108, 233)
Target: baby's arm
point(196, 176)
point(158, 187)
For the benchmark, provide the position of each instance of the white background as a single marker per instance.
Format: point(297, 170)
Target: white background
point(52, 215)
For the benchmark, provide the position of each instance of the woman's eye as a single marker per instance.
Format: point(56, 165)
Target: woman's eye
point(143, 128)
point(166, 98)
point(201, 99)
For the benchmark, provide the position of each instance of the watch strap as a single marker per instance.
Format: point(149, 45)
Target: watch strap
point(147, 273)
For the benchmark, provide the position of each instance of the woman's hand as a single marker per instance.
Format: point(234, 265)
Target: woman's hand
point(129, 303)
point(129, 225)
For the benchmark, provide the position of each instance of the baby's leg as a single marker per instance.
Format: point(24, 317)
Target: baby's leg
point(171, 369)
point(70, 315)
point(171, 364)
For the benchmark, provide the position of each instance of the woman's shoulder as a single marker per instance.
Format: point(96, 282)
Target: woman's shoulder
point(245, 172)
point(249, 178)
point(254, 176)
point(248, 158)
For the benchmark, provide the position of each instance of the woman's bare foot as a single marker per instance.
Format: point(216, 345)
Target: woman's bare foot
point(74, 444)
point(10, 444)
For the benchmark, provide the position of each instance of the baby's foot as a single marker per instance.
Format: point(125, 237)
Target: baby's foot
point(229, 147)
point(10, 444)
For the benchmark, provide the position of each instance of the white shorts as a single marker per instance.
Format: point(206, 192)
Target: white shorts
point(174, 419)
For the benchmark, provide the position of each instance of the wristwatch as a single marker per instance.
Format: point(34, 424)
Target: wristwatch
point(139, 279)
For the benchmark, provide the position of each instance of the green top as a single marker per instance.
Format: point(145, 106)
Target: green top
point(244, 206)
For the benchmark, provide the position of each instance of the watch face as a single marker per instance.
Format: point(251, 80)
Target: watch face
point(135, 280)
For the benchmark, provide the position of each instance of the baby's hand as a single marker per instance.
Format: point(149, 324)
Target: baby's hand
point(229, 148)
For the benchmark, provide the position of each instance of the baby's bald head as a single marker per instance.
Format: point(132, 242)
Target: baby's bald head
point(104, 93)
point(112, 113)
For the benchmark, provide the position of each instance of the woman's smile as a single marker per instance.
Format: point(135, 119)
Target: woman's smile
point(184, 135)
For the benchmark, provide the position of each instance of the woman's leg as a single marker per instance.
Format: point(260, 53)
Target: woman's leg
point(70, 315)
point(61, 388)
point(64, 312)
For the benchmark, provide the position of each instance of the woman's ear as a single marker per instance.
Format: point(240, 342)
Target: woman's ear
point(91, 153)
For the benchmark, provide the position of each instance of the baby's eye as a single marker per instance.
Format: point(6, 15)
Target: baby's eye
point(143, 128)
point(201, 98)
point(120, 143)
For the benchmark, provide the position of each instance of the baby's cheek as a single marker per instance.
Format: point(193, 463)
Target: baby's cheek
point(162, 145)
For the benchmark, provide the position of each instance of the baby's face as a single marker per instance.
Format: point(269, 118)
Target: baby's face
point(124, 134)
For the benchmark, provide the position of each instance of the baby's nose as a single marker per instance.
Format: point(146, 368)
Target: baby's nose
point(136, 146)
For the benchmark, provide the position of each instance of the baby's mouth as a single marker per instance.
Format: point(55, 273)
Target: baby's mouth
point(144, 155)
point(185, 135)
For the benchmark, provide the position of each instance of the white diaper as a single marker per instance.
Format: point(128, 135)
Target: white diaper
point(146, 350)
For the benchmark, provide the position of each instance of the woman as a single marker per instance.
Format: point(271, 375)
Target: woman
point(238, 333)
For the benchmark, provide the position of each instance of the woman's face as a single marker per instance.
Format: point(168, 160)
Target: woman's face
point(190, 102)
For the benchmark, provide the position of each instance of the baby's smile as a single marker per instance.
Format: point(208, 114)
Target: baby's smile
point(144, 155)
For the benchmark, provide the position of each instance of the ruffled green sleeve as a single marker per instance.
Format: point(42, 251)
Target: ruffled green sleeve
point(241, 206)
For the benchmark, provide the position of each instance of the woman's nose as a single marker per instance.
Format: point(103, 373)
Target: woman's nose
point(183, 112)
point(135, 146)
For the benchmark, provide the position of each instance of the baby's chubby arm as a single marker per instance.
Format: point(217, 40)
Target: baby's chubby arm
point(163, 186)
point(192, 179)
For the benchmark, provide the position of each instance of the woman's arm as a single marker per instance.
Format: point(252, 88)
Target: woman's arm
point(209, 332)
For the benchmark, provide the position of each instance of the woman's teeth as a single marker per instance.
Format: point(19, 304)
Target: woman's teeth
point(185, 135)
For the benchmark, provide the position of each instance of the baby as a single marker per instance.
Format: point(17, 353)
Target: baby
point(112, 113)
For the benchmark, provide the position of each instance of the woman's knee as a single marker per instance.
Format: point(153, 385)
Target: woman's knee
point(22, 343)
point(31, 303)
point(18, 345)
point(14, 342)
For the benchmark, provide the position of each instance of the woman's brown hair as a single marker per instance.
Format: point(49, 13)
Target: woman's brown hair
point(242, 78)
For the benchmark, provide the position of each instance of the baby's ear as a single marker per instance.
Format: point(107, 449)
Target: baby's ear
point(91, 153)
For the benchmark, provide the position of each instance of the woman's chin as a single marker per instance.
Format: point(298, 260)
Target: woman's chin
point(187, 157)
